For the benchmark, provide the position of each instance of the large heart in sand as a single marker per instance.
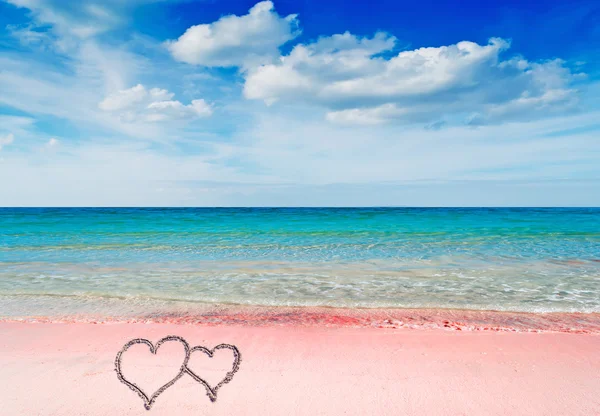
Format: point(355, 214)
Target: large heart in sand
point(149, 399)
point(212, 391)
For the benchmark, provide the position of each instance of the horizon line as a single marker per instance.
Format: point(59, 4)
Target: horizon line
point(300, 207)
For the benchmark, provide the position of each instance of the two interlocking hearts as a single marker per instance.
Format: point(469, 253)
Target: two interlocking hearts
point(210, 391)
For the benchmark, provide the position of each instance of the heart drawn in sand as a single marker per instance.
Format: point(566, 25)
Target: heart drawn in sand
point(212, 391)
point(149, 400)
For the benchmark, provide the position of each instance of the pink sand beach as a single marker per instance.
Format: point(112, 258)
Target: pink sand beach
point(308, 366)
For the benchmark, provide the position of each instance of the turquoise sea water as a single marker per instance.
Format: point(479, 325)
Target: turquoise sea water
point(55, 261)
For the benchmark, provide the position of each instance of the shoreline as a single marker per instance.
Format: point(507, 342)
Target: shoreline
point(326, 317)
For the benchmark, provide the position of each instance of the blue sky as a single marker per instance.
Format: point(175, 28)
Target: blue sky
point(288, 103)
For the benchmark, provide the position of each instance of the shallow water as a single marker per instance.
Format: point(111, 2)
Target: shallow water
point(57, 261)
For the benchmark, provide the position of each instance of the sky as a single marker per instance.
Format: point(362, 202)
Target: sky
point(299, 103)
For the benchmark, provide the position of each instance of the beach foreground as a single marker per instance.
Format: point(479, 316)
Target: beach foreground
point(68, 369)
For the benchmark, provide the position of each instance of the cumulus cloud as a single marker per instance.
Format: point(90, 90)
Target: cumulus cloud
point(140, 104)
point(6, 140)
point(357, 83)
point(232, 40)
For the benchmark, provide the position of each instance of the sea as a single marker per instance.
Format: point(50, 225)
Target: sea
point(127, 261)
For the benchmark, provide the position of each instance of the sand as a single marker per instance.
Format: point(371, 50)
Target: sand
point(68, 369)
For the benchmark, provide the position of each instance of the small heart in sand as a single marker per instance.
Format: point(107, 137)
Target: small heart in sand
point(212, 367)
point(168, 366)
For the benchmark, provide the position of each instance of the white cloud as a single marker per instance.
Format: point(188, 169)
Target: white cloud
point(27, 35)
point(353, 80)
point(39, 89)
point(232, 40)
point(52, 143)
point(374, 115)
point(286, 154)
point(164, 110)
point(126, 99)
point(71, 86)
point(16, 124)
point(286, 161)
point(109, 173)
point(81, 19)
point(6, 140)
point(311, 151)
point(139, 104)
